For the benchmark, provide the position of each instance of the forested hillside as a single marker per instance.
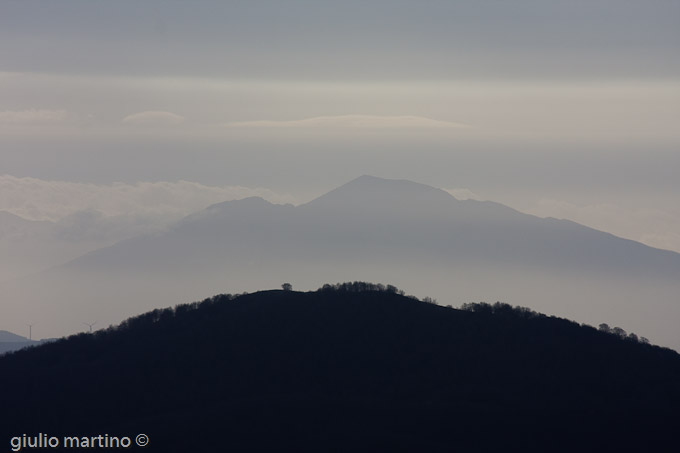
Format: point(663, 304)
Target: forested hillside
point(348, 367)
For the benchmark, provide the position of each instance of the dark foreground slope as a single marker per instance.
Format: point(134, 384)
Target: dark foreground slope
point(341, 370)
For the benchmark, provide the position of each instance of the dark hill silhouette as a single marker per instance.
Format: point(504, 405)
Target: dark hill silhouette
point(353, 367)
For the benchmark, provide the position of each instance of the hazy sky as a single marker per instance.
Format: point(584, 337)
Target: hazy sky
point(568, 109)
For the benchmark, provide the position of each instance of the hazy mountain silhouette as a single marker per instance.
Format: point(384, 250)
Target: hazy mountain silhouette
point(22, 246)
point(414, 235)
point(13, 342)
point(352, 367)
point(6, 337)
point(370, 214)
point(30, 246)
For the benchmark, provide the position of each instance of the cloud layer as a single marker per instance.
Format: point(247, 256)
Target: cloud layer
point(379, 39)
point(38, 199)
point(153, 118)
point(353, 122)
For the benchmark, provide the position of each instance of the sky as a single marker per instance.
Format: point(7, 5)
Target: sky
point(563, 109)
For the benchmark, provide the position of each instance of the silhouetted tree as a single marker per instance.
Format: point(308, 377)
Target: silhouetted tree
point(287, 287)
point(619, 332)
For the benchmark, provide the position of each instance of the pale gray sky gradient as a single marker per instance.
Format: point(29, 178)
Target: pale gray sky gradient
point(556, 108)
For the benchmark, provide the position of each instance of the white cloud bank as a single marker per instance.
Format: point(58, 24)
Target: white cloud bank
point(37, 199)
point(353, 122)
point(153, 118)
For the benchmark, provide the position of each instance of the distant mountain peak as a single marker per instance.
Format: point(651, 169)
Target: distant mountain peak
point(369, 181)
point(10, 337)
point(248, 204)
point(372, 191)
point(249, 201)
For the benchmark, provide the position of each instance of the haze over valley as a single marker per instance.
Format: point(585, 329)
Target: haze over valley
point(401, 232)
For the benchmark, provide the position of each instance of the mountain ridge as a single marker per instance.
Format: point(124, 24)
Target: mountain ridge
point(220, 210)
point(6, 336)
point(418, 236)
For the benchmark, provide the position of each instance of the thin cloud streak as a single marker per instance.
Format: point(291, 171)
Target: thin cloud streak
point(354, 122)
point(153, 118)
point(32, 116)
